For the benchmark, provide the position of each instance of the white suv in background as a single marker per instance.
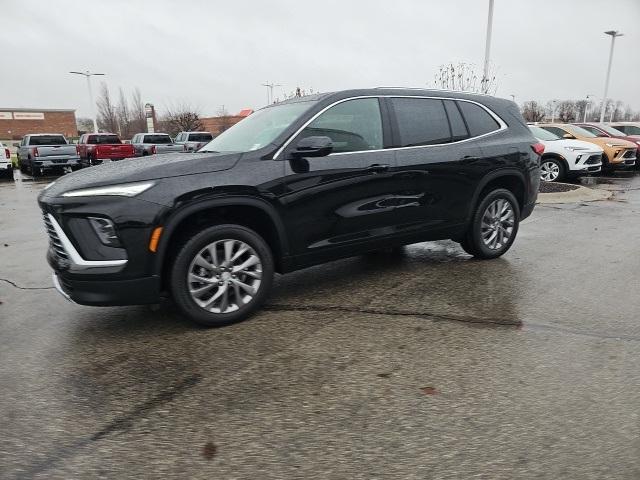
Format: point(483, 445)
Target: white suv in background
point(6, 167)
point(564, 158)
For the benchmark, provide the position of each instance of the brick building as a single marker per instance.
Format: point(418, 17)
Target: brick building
point(217, 125)
point(17, 122)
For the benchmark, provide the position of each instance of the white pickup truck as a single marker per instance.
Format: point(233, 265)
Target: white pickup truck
point(46, 151)
point(6, 168)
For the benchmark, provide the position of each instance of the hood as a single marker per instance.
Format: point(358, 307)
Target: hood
point(140, 169)
point(575, 144)
point(616, 142)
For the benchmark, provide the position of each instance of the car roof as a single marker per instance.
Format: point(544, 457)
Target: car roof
point(42, 134)
point(196, 131)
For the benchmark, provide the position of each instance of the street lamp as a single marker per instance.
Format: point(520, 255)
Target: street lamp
point(270, 87)
point(553, 110)
point(613, 34)
point(487, 50)
point(88, 75)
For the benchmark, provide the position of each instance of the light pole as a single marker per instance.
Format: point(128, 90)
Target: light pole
point(487, 50)
point(88, 76)
point(553, 110)
point(614, 34)
point(270, 87)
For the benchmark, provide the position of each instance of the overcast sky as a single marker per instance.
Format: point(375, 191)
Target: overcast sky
point(213, 53)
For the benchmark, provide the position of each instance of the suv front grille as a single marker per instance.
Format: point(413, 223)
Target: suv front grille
point(54, 241)
point(593, 159)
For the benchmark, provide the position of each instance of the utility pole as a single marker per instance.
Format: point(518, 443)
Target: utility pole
point(613, 34)
point(88, 76)
point(553, 110)
point(487, 50)
point(270, 87)
point(586, 108)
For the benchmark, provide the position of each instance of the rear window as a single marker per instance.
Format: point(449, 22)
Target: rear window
point(48, 140)
point(200, 137)
point(421, 121)
point(103, 139)
point(157, 139)
point(478, 119)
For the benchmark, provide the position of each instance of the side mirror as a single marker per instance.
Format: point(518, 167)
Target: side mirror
point(313, 147)
point(568, 136)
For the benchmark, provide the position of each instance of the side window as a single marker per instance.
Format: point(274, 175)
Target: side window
point(558, 131)
point(458, 128)
point(478, 119)
point(421, 121)
point(593, 130)
point(354, 125)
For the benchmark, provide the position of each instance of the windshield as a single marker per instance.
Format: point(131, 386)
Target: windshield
point(631, 129)
point(611, 130)
point(48, 140)
point(103, 139)
point(200, 137)
point(542, 134)
point(162, 139)
point(258, 129)
point(579, 131)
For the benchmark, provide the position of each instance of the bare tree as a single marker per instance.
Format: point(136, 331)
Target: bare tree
point(84, 125)
point(532, 111)
point(124, 116)
point(107, 116)
point(567, 111)
point(138, 118)
point(180, 118)
point(465, 77)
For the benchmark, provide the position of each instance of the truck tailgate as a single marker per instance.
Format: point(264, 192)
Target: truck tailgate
point(115, 151)
point(56, 151)
point(169, 148)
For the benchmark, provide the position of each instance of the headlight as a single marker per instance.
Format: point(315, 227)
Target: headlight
point(574, 149)
point(610, 145)
point(124, 190)
point(105, 230)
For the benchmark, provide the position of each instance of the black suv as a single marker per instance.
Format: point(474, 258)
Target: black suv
point(295, 184)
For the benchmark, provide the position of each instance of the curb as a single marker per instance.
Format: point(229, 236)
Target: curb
point(580, 194)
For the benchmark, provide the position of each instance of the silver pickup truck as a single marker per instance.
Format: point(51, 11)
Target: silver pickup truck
point(193, 141)
point(154, 143)
point(46, 151)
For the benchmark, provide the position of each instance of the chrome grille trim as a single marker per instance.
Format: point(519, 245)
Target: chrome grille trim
point(62, 246)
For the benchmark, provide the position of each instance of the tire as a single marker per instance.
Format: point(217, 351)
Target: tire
point(474, 242)
point(552, 170)
point(194, 298)
point(606, 166)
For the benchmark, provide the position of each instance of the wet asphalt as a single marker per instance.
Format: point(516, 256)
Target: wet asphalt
point(413, 364)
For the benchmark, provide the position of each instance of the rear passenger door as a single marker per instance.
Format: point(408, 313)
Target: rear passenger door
point(438, 160)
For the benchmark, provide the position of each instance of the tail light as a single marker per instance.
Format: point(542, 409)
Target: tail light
point(184, 147)
point(35, 152)
point(77, 150)
point(153, 149)
point(7, 153)
point(538, 148)
point(199, 146)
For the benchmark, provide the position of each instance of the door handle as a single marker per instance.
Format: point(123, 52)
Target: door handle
point(378, 168)
point(469, 159)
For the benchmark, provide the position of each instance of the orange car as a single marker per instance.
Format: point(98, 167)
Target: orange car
point(618, 153)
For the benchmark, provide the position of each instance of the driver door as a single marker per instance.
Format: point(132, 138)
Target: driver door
point(345, 199)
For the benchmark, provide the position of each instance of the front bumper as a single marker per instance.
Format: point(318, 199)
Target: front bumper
point(97, 292)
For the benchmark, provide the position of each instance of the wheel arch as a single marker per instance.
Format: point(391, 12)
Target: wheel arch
point(253, 213)
point(511, 179)
point(556, 156)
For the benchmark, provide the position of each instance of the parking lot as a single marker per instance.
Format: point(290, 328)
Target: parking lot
point(420, 363)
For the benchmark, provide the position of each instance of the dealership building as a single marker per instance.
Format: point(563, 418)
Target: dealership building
point(18, 122)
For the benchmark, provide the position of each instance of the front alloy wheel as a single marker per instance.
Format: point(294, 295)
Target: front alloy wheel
point(551, 171)
point(221, 275)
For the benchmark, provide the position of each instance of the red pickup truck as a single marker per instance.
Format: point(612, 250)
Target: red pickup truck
point(94, 148)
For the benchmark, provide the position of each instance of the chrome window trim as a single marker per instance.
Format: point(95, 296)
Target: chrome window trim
point(495, 116)
point(79, 263)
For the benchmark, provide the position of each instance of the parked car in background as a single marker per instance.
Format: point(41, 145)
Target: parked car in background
point(564, 158)
point(193, 141)
point(6, 167)
point(95, 148)
point(295, 184)
point(154, 143)
point(602, 130)
point(40, 152)
point(628, 128)
point(617, 153)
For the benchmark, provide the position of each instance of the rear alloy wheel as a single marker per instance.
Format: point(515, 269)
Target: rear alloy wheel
point(222, 275)
point(551, 170)
point(494, 225)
